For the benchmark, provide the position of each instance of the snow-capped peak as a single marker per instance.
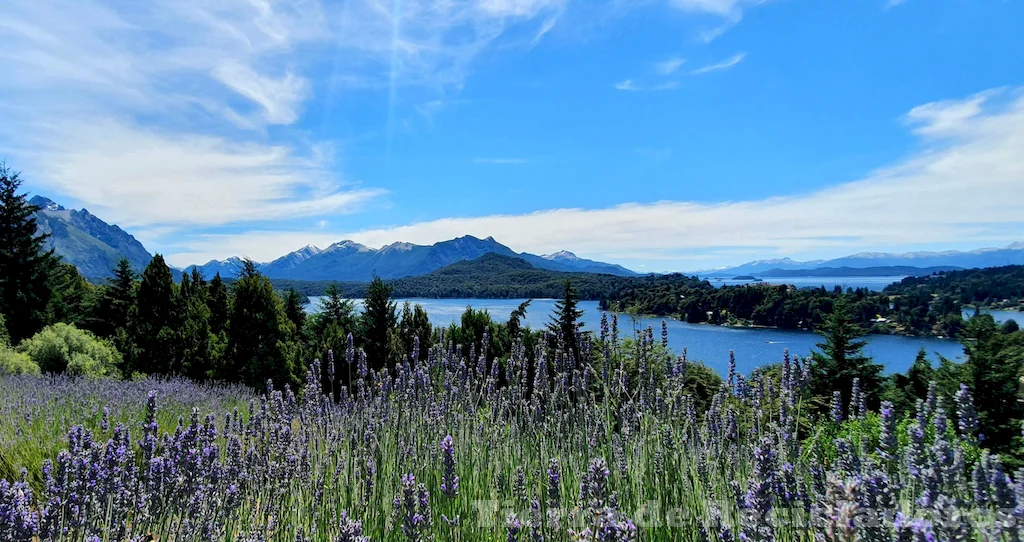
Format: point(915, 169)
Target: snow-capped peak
point(347, 245)
point(561, 255)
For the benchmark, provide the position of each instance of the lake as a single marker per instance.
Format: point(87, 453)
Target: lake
point(711, 344)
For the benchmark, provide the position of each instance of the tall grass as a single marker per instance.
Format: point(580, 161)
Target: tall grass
point(567, 452)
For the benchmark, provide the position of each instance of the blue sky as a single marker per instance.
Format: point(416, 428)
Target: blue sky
point(660, 134)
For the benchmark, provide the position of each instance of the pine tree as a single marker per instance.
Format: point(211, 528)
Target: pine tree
point(515, 319)
point(194, 340)
point(117, 301)
point(842, 359)
point(25, 263)
point(565, 320)
point(293, 309)
point(379, 320)
point(414, 324)
point(156, 320)
point(217, 301)
point(71, 296)
point(995, 363)
point(259, 334)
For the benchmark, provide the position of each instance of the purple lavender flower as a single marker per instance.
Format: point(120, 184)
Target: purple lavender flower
point(837, 407)
point(449, 480)
point(967, 416)
point(554, 484)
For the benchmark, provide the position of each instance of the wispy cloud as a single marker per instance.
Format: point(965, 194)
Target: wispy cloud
point(134, 110)
point(505, 161)
point(669, 65)
point(628, 85)
point(920, 199)
point(730, 12)
point(427, 43)
point(724, 65)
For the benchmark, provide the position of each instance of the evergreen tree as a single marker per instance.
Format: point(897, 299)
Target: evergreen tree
point(25, 263)
point(217, 301)
point(71, 296)
point(156, 320)
point(293, 309)
point(842, 359)
point(565, 320)
point(259, 334)
point(117, 302)
point(413, 324)
point(995, 362)
point(515, 319)
point(379, 321)
point(335, 309)
point(194, 338)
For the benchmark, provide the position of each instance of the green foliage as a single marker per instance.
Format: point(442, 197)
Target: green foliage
point(16, 363)
point(468, 335)
point(116, 301)
point(26, 265)
point(5, 339)
point(515, 319)
point(565, 319)
point(995, 362)
point(378, 322)
point(219, 305)
point(65, 348)
point(293, 309)
point(194, 343)
point(991, 287)
point(154, 329)
point(841, 360)
point(415, 323)
point(71, 296)
point(259, 334)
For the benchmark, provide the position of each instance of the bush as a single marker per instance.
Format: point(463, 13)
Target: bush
point(64, 348)
point(16, 363)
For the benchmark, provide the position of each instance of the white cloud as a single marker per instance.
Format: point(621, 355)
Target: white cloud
point(142, 177)
point(724, 65)
point(965, 186)
point(280, 98)
point(133, 110)
point(507, 161)
point(669, 65)
point(628, 85)
point(428, 43)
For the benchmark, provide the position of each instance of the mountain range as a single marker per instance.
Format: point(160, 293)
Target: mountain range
point(351, 261)
point(95, 247)
point(92, 245)
point(1012, 254)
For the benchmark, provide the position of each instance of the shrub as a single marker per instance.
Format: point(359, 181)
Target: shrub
point(16, 363)
point(64, 348)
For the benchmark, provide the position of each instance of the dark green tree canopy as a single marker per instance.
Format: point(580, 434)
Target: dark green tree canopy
point(26, 264)
point(379, 322)
point(842, 359)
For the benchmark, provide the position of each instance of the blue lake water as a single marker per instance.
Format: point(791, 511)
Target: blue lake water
point(710, 344)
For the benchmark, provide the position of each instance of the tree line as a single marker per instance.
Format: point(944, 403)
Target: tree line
point(246, 331)
point(905, 312)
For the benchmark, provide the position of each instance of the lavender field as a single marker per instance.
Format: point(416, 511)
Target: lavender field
point(608, 446)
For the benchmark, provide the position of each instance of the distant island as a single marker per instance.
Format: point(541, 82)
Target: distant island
point(879, 271)
point(747, 277)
